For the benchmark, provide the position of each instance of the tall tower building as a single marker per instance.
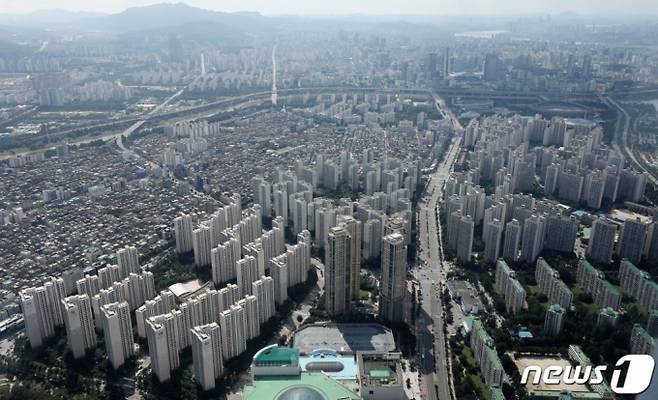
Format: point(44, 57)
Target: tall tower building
point(247, 271)
point(39, 322)
point(631, 240)
point(551, 179)
point(299, 210)
point(232, 327)
point(224, 259)
point(394, 273)
point(250, 316)
point(492, 241)
point(353, 227)
point(337, 271)
point(554, 320)
point(89, 285)
point(163, 333)
point(79, 323)
point(533, 238)
point(561, 232)
point(465, 239)
point(601, 241)
point(156, 335)
point(264, 197)
point(128, 261)
point(372, 238)
point(263, 289)
point(218, 224)
point(118, 333)
point(279, 274)
point(202, 245)
point(207, 354)
point(281, 205)
point(183, 233)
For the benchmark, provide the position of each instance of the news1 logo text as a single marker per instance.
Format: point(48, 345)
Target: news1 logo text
point(631, 374)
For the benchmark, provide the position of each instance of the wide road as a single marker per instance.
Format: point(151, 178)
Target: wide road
point(620, 141)
point(132, 128)
point(431, 274)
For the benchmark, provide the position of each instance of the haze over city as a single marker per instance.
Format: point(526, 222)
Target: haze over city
point(347, 200)
point(413, 7)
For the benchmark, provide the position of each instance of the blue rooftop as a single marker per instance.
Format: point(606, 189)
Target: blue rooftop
point(526, 335)
point(579, 213)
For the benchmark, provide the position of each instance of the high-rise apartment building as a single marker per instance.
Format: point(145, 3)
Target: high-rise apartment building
point(337, 271)
point(118, 333)
point(79, 323)
point(202, 245)
point(353, 228)
point(207, 354)
point(263, 289)
point(602, 241)
point(183, 233)
point(247, 272)
point(554, 320)
point(393, 281)
point(632, 239)
point(128, 261)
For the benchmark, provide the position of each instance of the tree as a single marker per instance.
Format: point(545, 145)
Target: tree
point(187, 386)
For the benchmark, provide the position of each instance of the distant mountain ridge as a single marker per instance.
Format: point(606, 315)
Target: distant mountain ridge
point(143, 18)
point(165, 14)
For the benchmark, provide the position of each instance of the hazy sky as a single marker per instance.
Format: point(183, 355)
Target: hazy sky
point(357, 6)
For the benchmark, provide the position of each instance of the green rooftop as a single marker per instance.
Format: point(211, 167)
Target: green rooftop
point(517, 285)
point(632, 267)
point(588, 265)
point(493, 358)
point(609, 312)
point(643, 333)
point(504, 266)
point(610, 287)
point(277, 356)
point(479, 329)
point(380, 374)
point(581, 354)
point(307, 386)
point(497, 393)
point(556, 308)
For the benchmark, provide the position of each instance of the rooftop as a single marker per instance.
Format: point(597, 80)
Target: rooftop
point(380, 369)
point(307, 386)
point(328, 361)
point(275, 355)
point(344, 338)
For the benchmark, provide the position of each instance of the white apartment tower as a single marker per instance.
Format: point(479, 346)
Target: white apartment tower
point(601, 241)
point(247, 272)
point(207, 354)
point(118, 333)
point(394, 273)
point(263, 289)
point(183, 233)
point(79, 322)
point(202, 245)
point(128, 261)
point(337, 270)
point(353, 228)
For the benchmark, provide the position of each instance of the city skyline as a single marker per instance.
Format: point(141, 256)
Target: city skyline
point(342, 204)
